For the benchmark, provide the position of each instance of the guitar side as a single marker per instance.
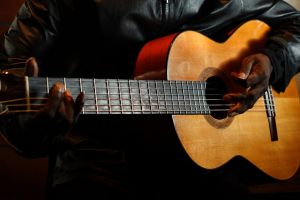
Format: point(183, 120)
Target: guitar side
point(212, 142)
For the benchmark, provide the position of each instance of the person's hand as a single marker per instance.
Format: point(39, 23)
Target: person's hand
point(33, 134)
point(254, 74)
point(60, 111)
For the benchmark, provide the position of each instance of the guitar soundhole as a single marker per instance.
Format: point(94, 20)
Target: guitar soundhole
point(215, 90)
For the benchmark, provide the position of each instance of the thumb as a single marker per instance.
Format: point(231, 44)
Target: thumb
point(245, 69)
point(31, 67)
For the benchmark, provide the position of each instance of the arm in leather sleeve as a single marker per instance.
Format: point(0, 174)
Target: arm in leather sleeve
point(32, 33)
point(283, 44)
point(34, 29)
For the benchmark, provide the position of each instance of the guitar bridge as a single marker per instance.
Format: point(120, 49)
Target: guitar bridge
point(270, 109)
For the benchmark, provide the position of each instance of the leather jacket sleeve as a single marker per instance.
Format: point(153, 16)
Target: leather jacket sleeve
point(283, 45)
point(32, 32)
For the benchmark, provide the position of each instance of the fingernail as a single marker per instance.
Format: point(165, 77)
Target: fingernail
point(68, 93)
point(242, 75)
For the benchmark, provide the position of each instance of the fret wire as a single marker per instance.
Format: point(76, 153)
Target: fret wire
point(168, 104)
point(148, 96)
point(164, 95)
point(189, 95)
point(108, 95)
point(120, 96)
point(158, 100)
point(172, 101)
point(130, 93)
point(145, 99)
point(195, 106)
point(177, 92)
point(95, 91)
point(198, 99)
point(183, 97)
point(139, 94)
point(47, 85)
point(65, 83)
point(80, 85)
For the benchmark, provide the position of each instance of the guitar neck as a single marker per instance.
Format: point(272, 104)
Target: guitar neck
point(114, 96)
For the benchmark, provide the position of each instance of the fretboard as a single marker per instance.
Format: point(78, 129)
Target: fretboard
point(114, 96)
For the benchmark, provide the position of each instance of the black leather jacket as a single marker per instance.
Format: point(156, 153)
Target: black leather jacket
point(90, 38)
point(101, 39)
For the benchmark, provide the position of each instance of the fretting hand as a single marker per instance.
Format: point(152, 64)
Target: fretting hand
point(33, 134)
point(60, 111)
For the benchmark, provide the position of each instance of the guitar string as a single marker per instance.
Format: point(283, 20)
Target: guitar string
point(114, 105)
point(143, 102)
point(140, 96)
point(181, 97)
point(99, 110)
point(177, 112)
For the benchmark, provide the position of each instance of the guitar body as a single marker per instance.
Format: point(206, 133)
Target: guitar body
point(212, 141)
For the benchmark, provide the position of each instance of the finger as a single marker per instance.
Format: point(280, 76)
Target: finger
point(234, 97)
point(261, 71)
point(240, 103)
point(234, 110)
point(54, 100)
point(31, 67)
point(245, 69)
point(256, 92)
point(66, 109)
point(79, 103)
point(256, 76)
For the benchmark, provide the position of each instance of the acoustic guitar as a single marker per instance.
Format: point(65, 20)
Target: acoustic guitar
point(197, 76)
